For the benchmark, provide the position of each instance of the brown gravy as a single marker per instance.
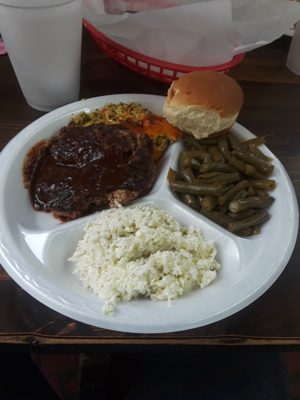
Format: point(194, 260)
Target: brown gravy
point(84, 169)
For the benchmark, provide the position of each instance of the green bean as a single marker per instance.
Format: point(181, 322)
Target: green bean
point(225, 178)
point(197, 189)
point(223, 147)
point(251, 191)
point(186, 162)
point(228, 187)
point(187, 175)
point(251, 171)
point(224, 207)
point(228, 178)
point(215, 154)
point(228, 196)
point(199, 198)
point(246, 169)
point(216, 166)
point(256, 230)
point(218, 177)
point(190, 200)
point(208, 203)
point(259, 153)
point(258, 163)
point(245, 232)
point(242, 214)
point(265, 184)
point(219, 218)
point(235, 142)
point(193, 144)
point(255, 142)
point(208, 175)
point(253, 220)
point(197, 154)
point(238, 164)
point(261, 193)
point(189, 159)
point(241, 195)
point(236, 206)
point(208, 140)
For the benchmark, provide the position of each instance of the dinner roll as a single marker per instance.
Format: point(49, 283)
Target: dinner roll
point(203, 103)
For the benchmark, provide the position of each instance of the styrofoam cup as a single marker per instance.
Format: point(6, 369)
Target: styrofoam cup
point(43, 41)
point(293, 58)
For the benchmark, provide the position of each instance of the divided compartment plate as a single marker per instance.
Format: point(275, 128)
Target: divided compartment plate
point(34, 247)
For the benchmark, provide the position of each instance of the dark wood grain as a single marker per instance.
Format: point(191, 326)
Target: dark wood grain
point(272, 99)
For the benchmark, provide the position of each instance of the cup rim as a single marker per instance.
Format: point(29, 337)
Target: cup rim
point(33, 3)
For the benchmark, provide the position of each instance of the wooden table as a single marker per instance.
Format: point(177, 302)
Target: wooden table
point(272, 101)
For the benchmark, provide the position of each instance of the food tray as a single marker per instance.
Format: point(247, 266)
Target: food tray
point(148, 66)
point(35, 247)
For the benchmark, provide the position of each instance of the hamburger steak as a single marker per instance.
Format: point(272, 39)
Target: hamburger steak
point(87, 169)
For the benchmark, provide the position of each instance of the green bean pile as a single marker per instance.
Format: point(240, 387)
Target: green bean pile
point(227, 180)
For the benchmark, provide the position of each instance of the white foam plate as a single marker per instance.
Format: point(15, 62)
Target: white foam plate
point(34, 247)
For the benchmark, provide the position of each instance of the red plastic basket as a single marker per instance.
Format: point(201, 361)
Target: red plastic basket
point(151, 67)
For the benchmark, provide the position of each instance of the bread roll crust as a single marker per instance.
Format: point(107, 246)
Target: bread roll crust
point(203, 102)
